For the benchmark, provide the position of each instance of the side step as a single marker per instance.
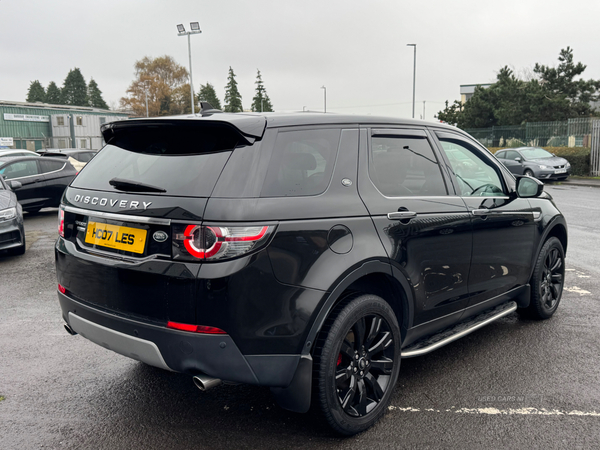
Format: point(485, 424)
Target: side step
point(457, 331)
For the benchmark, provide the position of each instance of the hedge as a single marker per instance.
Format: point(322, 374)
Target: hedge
point(579, 157)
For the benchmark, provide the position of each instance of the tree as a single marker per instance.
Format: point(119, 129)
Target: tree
point(74, 90)
point(53, 95)
point(36, 92)
point(165, 84)
point(554, 95)
point(95, 95)
point(208, 94)
point(233, 98)
point(261, 101)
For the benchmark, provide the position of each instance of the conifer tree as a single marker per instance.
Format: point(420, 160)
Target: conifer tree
point(208, 94)
point(53, 95)
point(36, 92)
point(233, 98)
point(261, 101)
point(74, 91)
point(95, 95)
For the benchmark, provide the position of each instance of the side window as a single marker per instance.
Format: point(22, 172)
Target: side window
point(512, 155)
point(402, 166)
point(48, 165)
point(302, 163)
point(476, 175)
point(501, 155)
point(20, 169)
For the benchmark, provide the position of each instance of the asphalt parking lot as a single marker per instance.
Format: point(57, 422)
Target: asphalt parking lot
point(514, 384)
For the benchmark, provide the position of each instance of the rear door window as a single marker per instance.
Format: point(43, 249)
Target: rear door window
point(50, 165)
point(301, 163)
point(20, 169)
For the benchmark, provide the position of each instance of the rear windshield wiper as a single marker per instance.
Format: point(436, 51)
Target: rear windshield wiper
point(130, 185)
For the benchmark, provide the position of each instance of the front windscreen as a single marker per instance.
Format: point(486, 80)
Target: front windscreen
point(536, 153)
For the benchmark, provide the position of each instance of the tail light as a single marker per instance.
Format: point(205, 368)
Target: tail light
point(203, 329)
point(210, 243)
point(61, 222)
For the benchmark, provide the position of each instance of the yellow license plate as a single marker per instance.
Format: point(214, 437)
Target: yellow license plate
point(117, 237)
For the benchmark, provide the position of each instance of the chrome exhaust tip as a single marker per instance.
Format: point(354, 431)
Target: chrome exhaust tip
point(204, 382)
point(70, 330)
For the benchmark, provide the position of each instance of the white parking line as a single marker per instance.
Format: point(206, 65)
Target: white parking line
point(496, 411)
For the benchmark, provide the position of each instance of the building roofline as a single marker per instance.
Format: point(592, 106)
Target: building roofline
point(58, 107)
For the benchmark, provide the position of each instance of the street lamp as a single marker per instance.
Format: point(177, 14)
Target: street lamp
point(414, 76)
point(145, 84)
point(195, 29)
point(324, 98)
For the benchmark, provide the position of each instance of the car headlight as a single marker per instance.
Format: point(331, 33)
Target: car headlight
point(568, 166)
point(7, 214)
point(544, 167)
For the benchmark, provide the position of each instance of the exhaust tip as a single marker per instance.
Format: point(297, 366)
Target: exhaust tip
point(70, 330)
point(204, 383)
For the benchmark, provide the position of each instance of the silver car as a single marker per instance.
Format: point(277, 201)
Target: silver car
point(535, 162)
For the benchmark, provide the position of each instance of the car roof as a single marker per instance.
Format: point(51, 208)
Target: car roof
point(8, 159)
point(254, 124)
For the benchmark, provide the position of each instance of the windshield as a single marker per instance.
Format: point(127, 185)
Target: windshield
point(536, 153)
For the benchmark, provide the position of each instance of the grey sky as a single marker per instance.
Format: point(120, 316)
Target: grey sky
point(357, 49)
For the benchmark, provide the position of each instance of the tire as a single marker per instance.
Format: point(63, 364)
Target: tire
point(356, 363)
point(547, 281)
point(528, 173)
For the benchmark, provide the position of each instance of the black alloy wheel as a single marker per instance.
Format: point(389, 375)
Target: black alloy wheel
point(357, 360)
point(547, 281)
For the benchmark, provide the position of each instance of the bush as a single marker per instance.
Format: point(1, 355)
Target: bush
point(579, 157)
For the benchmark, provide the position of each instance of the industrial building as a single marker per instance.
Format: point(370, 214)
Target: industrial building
point(35, 126)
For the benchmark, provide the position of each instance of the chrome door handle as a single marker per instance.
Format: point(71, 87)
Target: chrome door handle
point(401, 215)
point(485, 212)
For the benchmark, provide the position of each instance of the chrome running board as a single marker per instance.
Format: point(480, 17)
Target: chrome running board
point(459, 330)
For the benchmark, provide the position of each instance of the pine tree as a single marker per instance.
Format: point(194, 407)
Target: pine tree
point(74, 91)
point(208, 94)
point(261, 101)
point(233, 98)
point(53, 94)
point(36, 92)
point(95, 95)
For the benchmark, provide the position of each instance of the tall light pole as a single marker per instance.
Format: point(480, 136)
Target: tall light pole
point(414, 76)
point(324, 98)
point(146, 93)
point(195, 29)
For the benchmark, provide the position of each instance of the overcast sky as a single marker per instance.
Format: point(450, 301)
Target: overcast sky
point(357, 49)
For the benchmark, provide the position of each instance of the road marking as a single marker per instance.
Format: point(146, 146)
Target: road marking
point(496, 411)
point(577, 290)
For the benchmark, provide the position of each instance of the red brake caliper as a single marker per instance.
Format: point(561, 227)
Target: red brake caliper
point(339, 361)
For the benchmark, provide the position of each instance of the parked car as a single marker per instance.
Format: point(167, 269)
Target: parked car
point(12, 153)
point(78, 158)
point(304, 252)
point(41, 181)
point(535, 162)
point(12, 233)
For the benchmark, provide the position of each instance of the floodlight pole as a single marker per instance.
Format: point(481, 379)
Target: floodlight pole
point(324, 98)
point(182, 32)
point(414, 76)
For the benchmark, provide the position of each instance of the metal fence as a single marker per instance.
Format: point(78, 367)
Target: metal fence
point(595, 153)
point(567, 133)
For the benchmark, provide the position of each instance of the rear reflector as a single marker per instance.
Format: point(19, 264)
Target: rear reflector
point(203, 329)
point(62, 289)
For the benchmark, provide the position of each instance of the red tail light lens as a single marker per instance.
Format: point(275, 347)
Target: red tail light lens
point(211, 243)
point(203, 329)
point(62, 289)
point(61, 222)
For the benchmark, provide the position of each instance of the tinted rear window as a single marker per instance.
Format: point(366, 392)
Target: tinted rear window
point(183, 160)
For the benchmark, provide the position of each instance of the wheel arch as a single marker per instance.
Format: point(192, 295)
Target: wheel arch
point(556, 228)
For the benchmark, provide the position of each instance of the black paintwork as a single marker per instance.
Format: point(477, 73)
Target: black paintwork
point(439, 267)
point(42, 187)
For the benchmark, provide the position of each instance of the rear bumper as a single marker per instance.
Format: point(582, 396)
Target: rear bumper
point(178, 351)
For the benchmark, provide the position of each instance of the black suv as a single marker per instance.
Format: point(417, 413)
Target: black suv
point(304, 252)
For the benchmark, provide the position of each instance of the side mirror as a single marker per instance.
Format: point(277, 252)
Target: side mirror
point(14, 185)
point(518, 159)
point(528, 187)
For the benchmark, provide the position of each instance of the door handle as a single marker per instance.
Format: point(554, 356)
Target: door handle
point(485, 212)
point(401, 215)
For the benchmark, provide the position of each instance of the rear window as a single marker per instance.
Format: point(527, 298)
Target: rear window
point(184, 161)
